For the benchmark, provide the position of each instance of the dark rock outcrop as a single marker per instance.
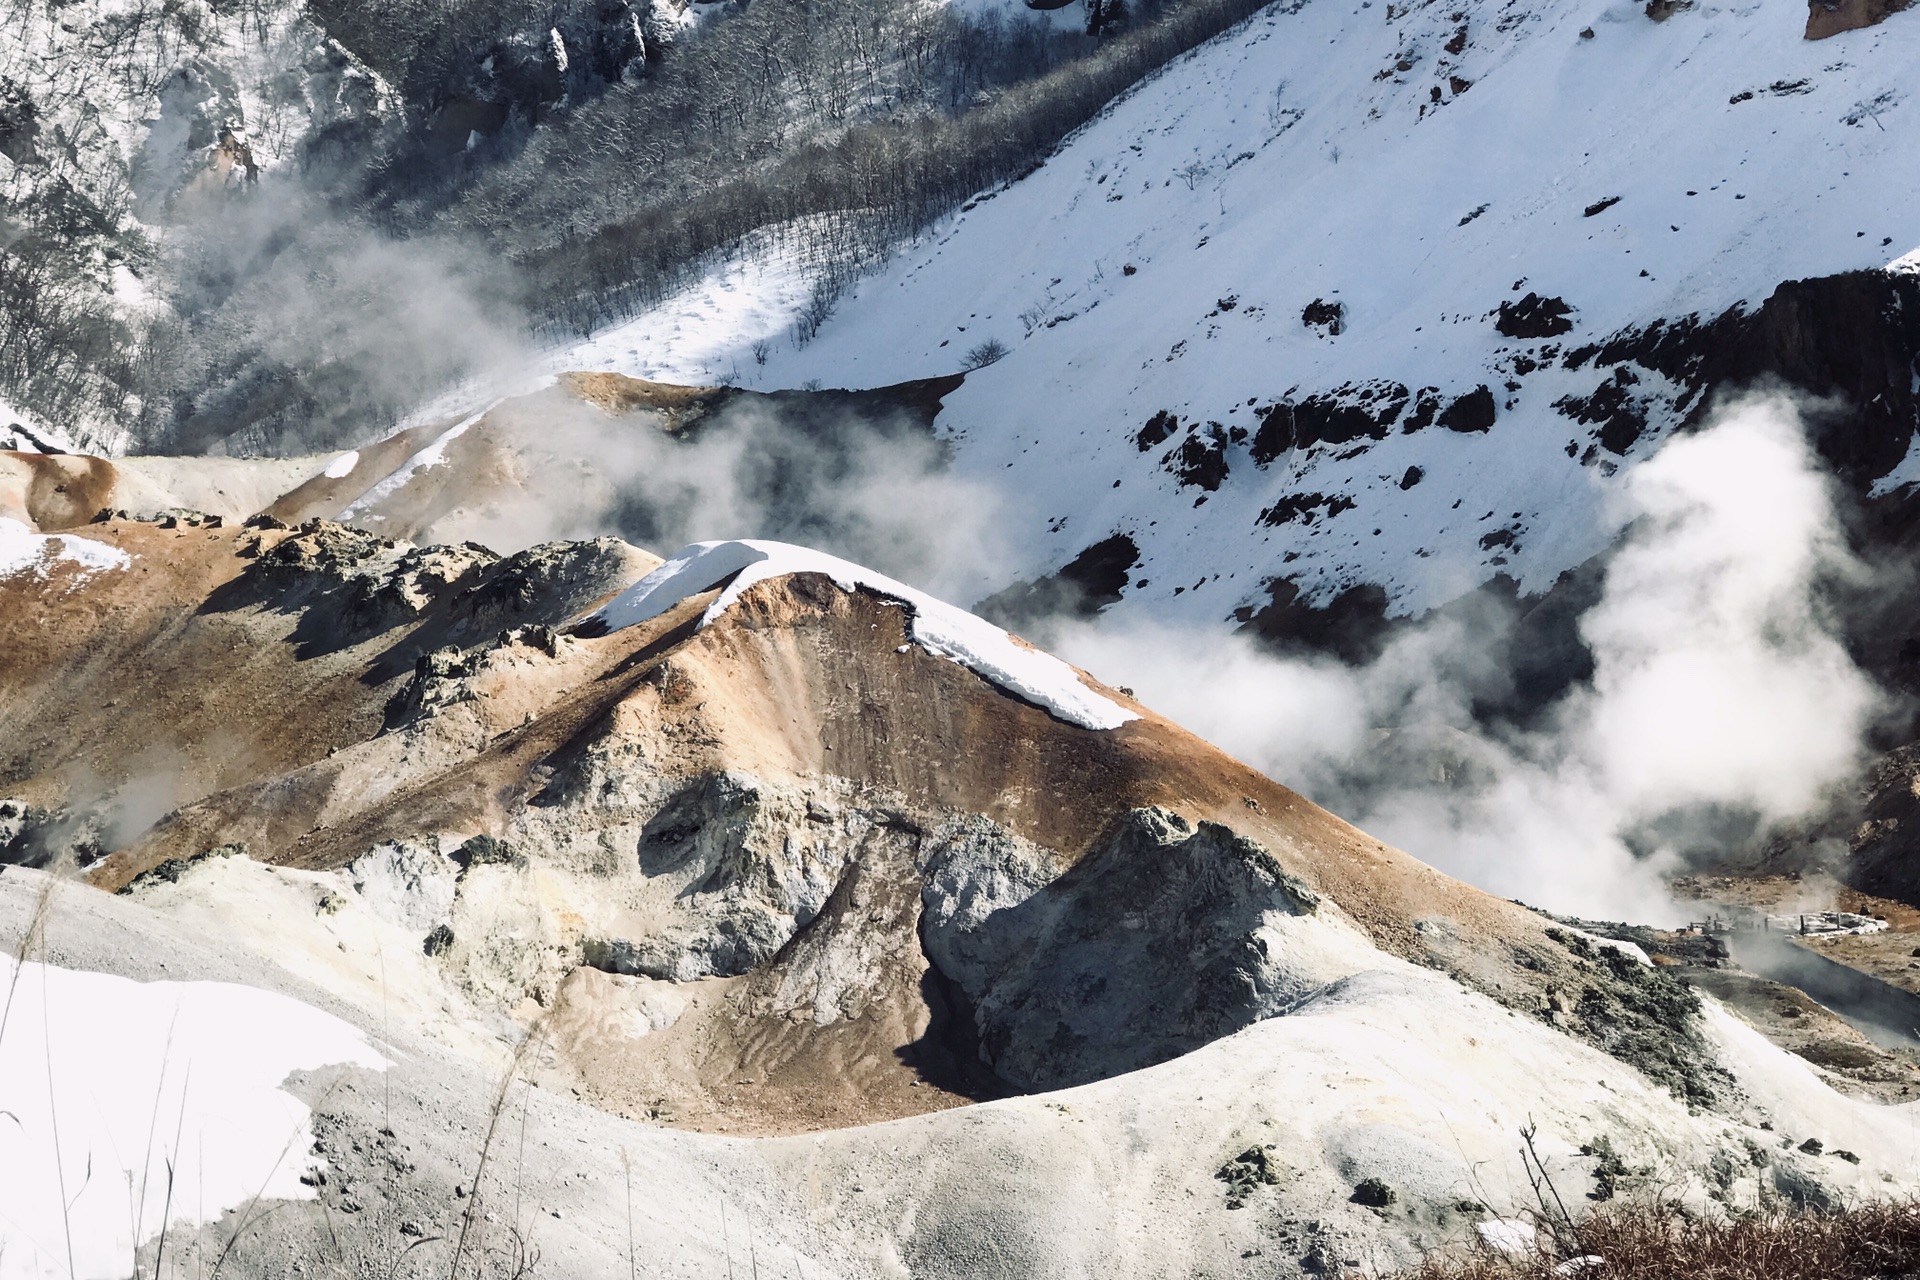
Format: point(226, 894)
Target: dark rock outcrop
point(1854, 336)
point(347, 585)
point(1354, 411)
point(547, 582)
point(1145, 949)
point(1352, 625)
point(1200, 460)
point(1158, 429)
point(1328, 316)
point(1307, 507)
point(1080, 588)
point(1472, 412)
point(1620, 413)
point(1534, 317)
point(1359, 411)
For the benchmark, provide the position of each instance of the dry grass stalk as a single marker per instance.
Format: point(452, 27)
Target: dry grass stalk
point(1655, 1242)
point(633, 1265)
point(31, 937)
point(527, 1049)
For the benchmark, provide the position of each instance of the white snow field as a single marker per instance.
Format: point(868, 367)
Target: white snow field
point(1162, 259)
point(24, 550)
point(938, 627)
point(342, 466)
point(705, 333)
point(139, 1104)
point(1386, 1071)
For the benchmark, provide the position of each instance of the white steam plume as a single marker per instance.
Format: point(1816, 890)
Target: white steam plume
point(1717, 689)
point(875, 490)
point(1717, 680)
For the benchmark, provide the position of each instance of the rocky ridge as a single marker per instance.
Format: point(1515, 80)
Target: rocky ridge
point(786, 873)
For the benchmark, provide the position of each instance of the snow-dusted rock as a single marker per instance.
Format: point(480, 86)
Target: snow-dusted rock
point(939, 628)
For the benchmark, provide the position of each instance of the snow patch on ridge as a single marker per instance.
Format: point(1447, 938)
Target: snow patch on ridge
point(24, 551)
point(140, 1076)
point(938, 627)
point(22, 432)
point(342, 467)
point(1906, 473)
point(1601, 943)
point(431, 456)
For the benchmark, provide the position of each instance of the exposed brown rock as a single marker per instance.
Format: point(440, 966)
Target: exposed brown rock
point(1827, 18)
point(54, 491)
point(618, 394)
point(862, 785)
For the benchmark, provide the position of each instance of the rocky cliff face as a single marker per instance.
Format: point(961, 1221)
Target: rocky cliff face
point(1066, 979)
point(1829, 18)
point(1852, 338)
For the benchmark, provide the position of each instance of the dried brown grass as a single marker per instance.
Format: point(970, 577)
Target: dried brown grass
point(1876, 1241)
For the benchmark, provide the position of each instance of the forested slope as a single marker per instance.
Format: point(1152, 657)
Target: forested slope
point(265, 227)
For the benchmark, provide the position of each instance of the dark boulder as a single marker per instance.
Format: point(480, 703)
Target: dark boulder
point(1474, 411)
point(1080, 588)
point(1534, 317)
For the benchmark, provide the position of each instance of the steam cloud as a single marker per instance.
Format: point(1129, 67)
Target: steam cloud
point(1721, 703)
point(293, 325)
point(871, 487)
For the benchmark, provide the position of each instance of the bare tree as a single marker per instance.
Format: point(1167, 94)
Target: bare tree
point(979, 357)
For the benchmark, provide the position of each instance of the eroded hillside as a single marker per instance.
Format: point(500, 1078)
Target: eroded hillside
point(759, 843)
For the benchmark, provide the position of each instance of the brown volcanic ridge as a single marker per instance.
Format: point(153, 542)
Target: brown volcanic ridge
point(787, 870)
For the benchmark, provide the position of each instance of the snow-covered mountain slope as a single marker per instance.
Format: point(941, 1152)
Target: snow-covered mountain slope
point(1328, 208)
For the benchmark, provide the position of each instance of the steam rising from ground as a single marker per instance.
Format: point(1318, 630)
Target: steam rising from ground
point(1720, 704)
point(871, 486)
point(293, 326)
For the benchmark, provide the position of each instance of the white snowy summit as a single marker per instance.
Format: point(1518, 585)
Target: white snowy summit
point(939, 628)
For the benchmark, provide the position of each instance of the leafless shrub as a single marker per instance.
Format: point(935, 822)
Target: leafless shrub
point(819, 306)
point(986, 353)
